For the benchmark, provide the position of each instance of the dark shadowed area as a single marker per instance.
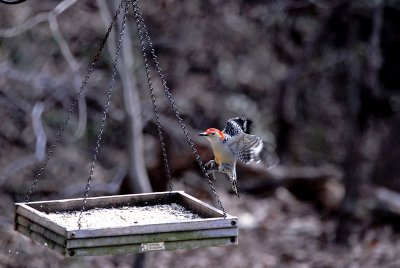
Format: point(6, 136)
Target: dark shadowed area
point(318, 78)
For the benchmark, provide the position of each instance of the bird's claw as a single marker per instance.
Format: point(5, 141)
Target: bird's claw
point(210, 168)
point(210, 164)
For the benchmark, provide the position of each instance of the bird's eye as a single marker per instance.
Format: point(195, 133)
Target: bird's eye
point(213, 133)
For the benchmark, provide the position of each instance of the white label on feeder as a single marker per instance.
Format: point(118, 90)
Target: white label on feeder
point(153, 246)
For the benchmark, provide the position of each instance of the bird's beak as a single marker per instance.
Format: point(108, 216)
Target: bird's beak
point(203, 134)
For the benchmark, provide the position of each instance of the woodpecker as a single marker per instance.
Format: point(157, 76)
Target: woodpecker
point(235, 143)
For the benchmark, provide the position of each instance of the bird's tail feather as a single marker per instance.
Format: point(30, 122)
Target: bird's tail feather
point(234, 188)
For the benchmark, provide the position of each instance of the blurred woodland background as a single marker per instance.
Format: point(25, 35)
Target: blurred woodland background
point(320, 79)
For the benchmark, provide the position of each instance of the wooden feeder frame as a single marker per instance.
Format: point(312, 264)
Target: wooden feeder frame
point(211, 230)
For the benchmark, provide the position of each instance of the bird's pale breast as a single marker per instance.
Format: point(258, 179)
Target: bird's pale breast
point(222, 153)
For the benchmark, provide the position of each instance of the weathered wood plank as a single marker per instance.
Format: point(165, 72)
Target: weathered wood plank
point(131, 199)
point(41, 239)
point(149, 238)
point(39, 218)
point(189, 225)
point(137, 248)
point(212, 230)
point(41, 230)
point(105, 201)
point(203, 209)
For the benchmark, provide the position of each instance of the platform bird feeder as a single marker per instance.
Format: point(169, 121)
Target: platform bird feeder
point(126, 224)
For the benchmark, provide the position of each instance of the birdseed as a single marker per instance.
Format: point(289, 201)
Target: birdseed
point(98, 218)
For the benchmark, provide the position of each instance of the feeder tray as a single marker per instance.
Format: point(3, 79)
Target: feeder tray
point(126, 224)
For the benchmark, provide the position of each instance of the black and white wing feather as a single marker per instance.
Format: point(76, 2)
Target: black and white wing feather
point(237, 125)
point(268, 155)
point(246, 147)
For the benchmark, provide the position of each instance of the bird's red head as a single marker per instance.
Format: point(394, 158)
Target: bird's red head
point(213, 132)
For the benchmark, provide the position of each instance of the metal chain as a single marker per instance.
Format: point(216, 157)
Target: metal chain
point(72, 107)
point(153, 101)
point(105, 111)
point(143, 30)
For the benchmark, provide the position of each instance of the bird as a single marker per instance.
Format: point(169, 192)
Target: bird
point(235, 143)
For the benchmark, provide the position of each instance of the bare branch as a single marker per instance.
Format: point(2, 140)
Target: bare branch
point(39, 154)
point(138, 177)
point(41, 138)
point(39, 18)
point(374, 57)
point(388, 197)
point(74, 66)
point(65, 50)
point(39, 81)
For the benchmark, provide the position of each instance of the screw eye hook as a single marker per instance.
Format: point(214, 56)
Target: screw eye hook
point(11, 2)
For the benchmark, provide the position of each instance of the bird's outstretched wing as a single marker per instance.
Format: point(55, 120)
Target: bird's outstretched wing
point(268, 155)
point(246, 147)
point(237, 125)
point(249, 148)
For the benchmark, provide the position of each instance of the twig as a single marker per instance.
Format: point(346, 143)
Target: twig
point(74, 66)
point(39, 18)
point(41, 140)
point(39, 81)
point(55, 85)
point(51, 17)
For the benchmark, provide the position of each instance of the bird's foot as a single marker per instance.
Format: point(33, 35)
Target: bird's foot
point(212, 173)
point(211, 167)
point(210, 164)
